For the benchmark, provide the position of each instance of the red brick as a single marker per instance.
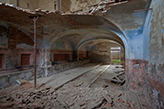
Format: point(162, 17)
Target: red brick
point(25, 59)
point(60, 57)
point(0, 60)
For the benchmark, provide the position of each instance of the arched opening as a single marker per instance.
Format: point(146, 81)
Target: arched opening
point(99, 50)
point(85, 39)
point(61, 51)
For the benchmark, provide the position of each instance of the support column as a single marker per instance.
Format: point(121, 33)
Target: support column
point(35, 18)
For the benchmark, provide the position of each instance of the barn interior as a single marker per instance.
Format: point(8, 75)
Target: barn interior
point(82, 54)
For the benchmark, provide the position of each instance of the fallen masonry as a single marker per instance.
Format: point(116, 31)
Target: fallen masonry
point(26, 97)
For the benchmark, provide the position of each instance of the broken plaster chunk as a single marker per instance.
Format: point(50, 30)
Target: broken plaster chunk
point(81, 102)
point(51, 91)
point(36, 105)
point(69, 103)
point(97, 100)
point(107, 98)
point(78, 84)
point(21, 106)
point(21, 81)
point(83, 107)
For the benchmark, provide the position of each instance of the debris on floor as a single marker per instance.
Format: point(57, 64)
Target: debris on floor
point(25, 97)
point(75, 94)
point(118, 78)
point(21, 81)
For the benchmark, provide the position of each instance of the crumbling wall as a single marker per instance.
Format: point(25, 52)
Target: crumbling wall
point(26, 4)
point(14, 42)
point(4, 33)
point(9, 79)
point(12, 57)
point(65, 5)
point(99, 57)
point(132, 24)
point(81, 4)
point(154, 40)
point(100, 53)
point(14, 2)
point(17, 37)
point(47, 4)
point(62, 44)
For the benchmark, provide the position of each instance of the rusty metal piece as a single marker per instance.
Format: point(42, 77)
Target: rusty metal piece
point(35, 18)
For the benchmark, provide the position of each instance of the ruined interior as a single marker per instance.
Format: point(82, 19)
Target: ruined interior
point(81, 54)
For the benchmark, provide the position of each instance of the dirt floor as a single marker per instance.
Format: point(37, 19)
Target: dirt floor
point(92, 89)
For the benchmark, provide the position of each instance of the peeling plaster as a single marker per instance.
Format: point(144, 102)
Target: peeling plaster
point(135, 38)
point(62, 44)
point(162, 30)
point(154, 52)
point(156, 49)
point(24, 46)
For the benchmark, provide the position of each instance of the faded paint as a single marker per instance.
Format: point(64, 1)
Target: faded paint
point(101, 50)
point(133, 31)
point(162, 30)
point(81, 4)
point(4, 33)
point(26, 4)
point(47, 4)
point(23, 45)
point(125, 18)
point(62, 44)
point(153, 46)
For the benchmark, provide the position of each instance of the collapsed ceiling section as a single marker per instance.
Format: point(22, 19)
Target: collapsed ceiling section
point(79, 26)
point(97, 9)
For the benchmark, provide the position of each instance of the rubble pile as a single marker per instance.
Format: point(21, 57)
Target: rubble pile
point(42, 98)
point(81, 98)
point(26, 97)
point(96, 9)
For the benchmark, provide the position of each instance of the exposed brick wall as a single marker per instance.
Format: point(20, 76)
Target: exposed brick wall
point(17, 37)
point(81, 56)
point(25, 59)
point(61, 57)
point(135, 71)
point(0, 60)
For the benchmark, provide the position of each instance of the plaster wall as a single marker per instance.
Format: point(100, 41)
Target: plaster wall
point(4, 32)
point(65, 5)
point(12, 57)
point(14, 43)
point(103, 58)
point(47, 4)
point(62, 44)
point(9, 79)
point(100, 53)
point(81, 4)
point(26, 4)
point(145, 63)
point(134, 46)
point(154, 46)
point(14, 2)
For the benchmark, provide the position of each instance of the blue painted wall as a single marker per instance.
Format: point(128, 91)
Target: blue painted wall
point(62, 44)
point(146, 36)
point(139, 38)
